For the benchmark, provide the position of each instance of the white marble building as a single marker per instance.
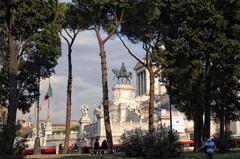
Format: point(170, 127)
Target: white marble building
point(129, 110)
point(48, 137)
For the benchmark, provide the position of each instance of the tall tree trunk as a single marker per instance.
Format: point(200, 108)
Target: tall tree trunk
point(207, 122)
point(197, 130)
point(227, 125)
point(151, 98)
point(149, 66)
point(170, 103)
point(107, 123)
point(69, 100)
point(9, 133)
point(69, 85)
point(222, 123)
point(207, 119)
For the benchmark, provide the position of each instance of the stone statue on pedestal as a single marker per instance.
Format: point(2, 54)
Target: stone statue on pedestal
point(84, 111)
point(122, 75)
point(98, 111)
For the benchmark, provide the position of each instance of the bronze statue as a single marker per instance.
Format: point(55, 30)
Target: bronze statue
point(122, 75)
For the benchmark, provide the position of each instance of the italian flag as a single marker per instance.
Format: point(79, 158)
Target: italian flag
point(49, 93)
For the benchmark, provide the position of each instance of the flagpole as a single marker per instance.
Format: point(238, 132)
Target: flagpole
point(48, 111)
point(37, 149)
point(35, 109)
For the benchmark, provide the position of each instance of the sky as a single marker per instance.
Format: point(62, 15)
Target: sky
point(87, 87)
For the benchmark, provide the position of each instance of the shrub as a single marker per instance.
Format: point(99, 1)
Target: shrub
point(158, 144)
point(133, 142)
point(224, 144)
point(19, 145)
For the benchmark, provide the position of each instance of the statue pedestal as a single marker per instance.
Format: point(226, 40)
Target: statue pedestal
point(123, 93)
point(48, 129)
point(123, 96)
point(83, 121)
point(81, 134)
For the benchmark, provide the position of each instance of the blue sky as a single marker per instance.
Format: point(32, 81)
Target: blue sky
point(86, 76)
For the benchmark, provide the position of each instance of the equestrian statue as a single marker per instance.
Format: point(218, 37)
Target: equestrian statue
point(122, 75)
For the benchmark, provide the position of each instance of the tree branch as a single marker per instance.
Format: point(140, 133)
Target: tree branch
point(20, 48)
point(91, 28)
point(21, 88)
point(118, 23)
point(97, 30)
point(112, 32)
point(147, 50)
point(158, 70)
point(129, 51)
point(74, 36)
point(20, 51)
point(122, 13)
point(68, 33)
point(64, 37)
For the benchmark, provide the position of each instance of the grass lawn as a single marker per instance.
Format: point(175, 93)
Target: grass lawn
point(186, 155)
point(231, 155)
point(190, 155)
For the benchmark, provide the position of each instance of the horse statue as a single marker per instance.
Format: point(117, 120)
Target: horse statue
point(122, 75)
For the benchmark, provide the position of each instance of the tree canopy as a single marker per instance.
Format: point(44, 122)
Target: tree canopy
point(31, 48)
point(201, 62)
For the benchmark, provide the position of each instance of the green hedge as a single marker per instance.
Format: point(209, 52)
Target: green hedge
point(158, 144)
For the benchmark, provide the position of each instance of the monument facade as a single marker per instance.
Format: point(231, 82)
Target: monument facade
point(129, 110)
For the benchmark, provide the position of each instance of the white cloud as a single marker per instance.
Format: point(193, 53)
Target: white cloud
point(66, 1)
point(87, 87)
point(85, 38)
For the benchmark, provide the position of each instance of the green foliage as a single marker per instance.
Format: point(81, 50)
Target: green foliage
point(133, 142)
point(72, 18)
point(30, 15)
point(39, 57)
point(187, 34)
point(43, 49)
point(164, 144)
point(19, 145)
point(104, 13)
point(139, 26)
point(75, 128)
point(194, 155)
point(158, 144)
point(193, 32)
point(19, 21)
point(23, 132)
point(38, 47)
point(224, 144)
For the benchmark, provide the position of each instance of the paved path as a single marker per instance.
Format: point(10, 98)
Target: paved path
point(51, 156)
point(69, 156)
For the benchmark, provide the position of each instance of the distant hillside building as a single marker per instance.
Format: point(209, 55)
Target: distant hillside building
point(53, 134)
point(57, 128)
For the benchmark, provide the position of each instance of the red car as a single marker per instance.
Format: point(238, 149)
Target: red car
point(44, 150)
point(237, 140)
point(27, 152)
point(86, 149)
point(186, 145)
point(48, 150)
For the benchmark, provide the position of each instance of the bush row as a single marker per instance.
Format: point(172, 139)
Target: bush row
point(161, 143)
